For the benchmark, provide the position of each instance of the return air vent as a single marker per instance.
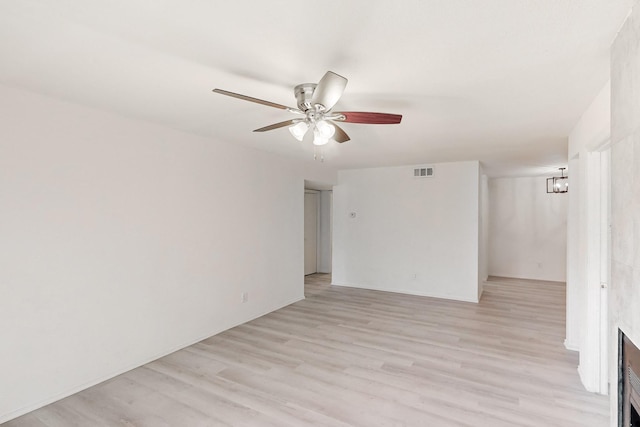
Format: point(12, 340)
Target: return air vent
point(423, 172)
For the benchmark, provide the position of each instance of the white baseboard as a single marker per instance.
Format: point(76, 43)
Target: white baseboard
point(406, 292)
point(571, 346)
point(66, 393)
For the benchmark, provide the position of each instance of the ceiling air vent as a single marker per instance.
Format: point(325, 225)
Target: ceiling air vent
point(423, 172)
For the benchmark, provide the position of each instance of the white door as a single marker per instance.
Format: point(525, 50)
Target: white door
point(594, 361)
point(605, 264)
point(310, 232)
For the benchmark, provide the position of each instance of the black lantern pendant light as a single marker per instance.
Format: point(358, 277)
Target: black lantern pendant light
point(558, 184)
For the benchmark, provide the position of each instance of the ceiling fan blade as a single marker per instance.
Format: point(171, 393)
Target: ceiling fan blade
point(369, 118)
point(329, 90)
point(249, 98)
point(340, 135)
point(277, 125)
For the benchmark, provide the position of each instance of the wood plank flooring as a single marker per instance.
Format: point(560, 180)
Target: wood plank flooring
point(353, 357)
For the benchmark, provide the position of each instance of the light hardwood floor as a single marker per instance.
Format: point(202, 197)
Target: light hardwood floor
point(352, 357)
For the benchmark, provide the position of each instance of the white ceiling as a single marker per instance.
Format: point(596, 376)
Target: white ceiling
point(501, 81)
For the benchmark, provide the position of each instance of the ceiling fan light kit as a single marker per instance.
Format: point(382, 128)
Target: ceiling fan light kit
point(315, 102)
point(299, 130)
point(323, 132)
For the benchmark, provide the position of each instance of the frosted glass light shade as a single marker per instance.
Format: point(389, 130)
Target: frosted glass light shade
point(299, 130)
point(326, 130)
point(318, 140)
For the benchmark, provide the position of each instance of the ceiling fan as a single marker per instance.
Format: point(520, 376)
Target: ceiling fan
point(315, 102)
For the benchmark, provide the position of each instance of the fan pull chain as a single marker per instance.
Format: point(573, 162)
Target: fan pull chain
point(318, 151)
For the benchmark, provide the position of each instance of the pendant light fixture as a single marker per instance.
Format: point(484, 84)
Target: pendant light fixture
point(558, 184)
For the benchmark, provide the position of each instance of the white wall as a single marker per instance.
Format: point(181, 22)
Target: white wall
point(484, 221)
point(122, 241)
point(410, 235)
point(574, 292)
point(624, 296)
point(528, 229)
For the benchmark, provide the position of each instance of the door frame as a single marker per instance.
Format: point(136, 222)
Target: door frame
point(316, 193)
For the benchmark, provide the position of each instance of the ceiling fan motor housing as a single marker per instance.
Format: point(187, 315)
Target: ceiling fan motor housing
point(304, 93)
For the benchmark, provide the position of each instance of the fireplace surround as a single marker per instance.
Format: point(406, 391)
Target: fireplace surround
point(628, 382)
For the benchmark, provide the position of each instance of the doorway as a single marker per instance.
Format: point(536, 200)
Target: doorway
point(311, 209)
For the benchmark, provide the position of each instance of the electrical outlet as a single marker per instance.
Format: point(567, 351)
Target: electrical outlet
point(244, 297)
